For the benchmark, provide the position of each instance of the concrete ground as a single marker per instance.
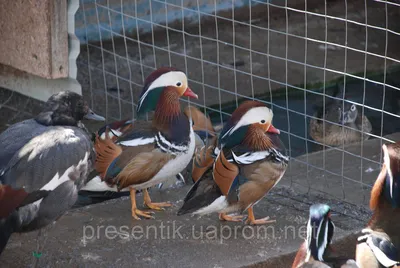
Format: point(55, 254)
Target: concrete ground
point(79, 239)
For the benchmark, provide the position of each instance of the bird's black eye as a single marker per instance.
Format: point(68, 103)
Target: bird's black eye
point(353, 107)
point(178, 84)
point(263, 121)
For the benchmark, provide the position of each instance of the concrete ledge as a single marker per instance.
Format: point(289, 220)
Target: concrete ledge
point(39, 85)
point(34, 86)
point(34, 37)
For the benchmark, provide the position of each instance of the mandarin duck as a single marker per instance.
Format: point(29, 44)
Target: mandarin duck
point(202, 126)
point(205, 136)
point(317, 250)
point(150, 152)
point(248, 162)
point(37, 156)
point(380, 244)
point(344, 124)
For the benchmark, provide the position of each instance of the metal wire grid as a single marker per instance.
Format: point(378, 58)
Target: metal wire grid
point(215, 20)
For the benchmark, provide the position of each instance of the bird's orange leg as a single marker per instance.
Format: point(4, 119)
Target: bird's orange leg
point(151, 205)
point(235, 218)
point(135, 211)
point(252, 221)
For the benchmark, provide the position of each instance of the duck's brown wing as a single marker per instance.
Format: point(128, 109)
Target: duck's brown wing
point(135, 158)
point(141, 168)
point(203, 159)
point(201, 122)
point(224, 173)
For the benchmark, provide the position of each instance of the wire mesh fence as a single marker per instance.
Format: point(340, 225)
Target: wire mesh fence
point(328, 69)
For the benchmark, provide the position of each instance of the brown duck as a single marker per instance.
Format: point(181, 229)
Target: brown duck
point(344, 124)
point(233, 176)
point(150, 152)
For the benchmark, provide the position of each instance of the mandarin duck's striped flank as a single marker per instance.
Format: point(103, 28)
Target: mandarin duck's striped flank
point(58, 138)
point(206, 139)
point(107, 152)
point(380, 243)
point(250, 160)
point(148, 153)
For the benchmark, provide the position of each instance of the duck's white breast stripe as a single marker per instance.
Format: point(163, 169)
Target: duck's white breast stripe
point(165, 150)
point(248, 158)
point(167, 146)
point(137, 142)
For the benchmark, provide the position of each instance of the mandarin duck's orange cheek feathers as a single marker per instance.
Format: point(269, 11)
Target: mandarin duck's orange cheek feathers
point(157, 83)
point(250, 116)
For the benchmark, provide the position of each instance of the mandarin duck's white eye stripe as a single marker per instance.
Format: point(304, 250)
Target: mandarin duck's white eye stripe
point(309, 234)
point(322, 248)
point(164, 80)
point(317, 238)
point(228, 132)
point(252, 116)
point(386, 159)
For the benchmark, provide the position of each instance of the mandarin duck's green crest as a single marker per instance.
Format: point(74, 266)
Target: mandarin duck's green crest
point(320, 229)
point(162, 87)
point(249, 118)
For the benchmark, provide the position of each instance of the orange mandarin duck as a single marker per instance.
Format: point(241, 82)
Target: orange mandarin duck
point(150, 152)
point(233, 175)
point(380, 244)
